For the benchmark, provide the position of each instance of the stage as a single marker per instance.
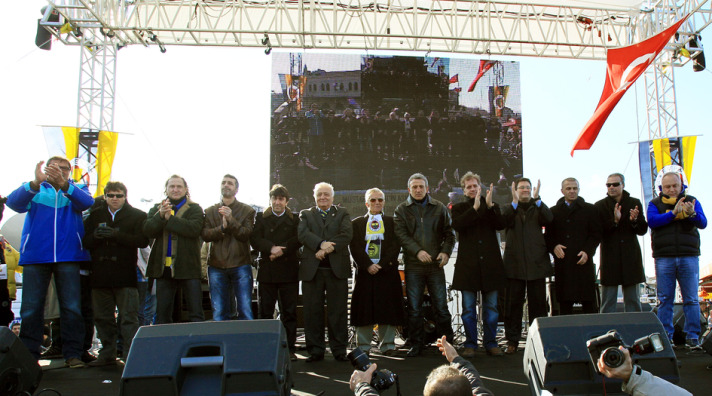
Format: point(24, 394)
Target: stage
point(503, 375)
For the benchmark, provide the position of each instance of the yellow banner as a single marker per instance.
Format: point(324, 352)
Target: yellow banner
point(688, 155)
point(106, 151)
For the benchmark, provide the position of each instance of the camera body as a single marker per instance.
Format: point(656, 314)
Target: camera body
point(381, 380)
point(607, 346)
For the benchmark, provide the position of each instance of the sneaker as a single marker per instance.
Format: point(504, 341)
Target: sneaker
point(75, 363)
point(53, 352)
point(693, 344)
point(468, 353)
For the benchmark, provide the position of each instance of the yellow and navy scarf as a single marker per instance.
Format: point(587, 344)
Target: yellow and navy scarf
point(375, 232)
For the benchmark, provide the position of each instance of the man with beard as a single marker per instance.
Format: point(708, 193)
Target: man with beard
point(572, 238)
point(526, 259)
point(275, 237)
point(674, 219)
point(479, 263)
point(621, 261)
point(424, 229)
point(228, 226)
point(175, 224)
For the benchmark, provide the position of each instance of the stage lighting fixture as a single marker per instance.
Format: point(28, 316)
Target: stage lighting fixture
point(268, 50)
point(698, 62)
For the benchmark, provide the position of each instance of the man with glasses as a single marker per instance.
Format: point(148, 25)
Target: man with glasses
point(622, 220)
point(114, 233)
point(51, 244)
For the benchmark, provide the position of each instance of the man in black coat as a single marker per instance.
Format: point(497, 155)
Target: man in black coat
point(377, 296)
point(622, 220)
point(113, 237)
point(572, 238)
point(325, 231)
point(526, 259)
point(275, 237)
point(479, 263)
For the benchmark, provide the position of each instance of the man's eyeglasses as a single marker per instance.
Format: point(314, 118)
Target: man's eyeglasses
point(376, 199)
point(115, 195)
point(613, 184)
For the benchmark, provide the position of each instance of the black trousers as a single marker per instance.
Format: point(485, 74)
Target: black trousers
point(285, 294)
point(517, 289)
point(325, 287)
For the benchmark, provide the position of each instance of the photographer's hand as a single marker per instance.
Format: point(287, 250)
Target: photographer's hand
point(362, 376)
point(623, 372)
point(448, 350)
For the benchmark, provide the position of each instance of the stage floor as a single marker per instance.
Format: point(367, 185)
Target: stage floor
point(503, 375)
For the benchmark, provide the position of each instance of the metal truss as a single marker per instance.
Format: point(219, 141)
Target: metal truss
point(97, 83)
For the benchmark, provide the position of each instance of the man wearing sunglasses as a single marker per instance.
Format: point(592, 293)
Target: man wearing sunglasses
point(51, 244)
point(114, 233)
point(622, 220)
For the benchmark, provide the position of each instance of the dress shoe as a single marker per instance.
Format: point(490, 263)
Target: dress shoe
point(494, 351)
point(315, 358)
point(341, 357)
point(511, 350)
point(390, 352)
point(75, 363)
point(103, 362)
point(468, 353)
point(414, 351)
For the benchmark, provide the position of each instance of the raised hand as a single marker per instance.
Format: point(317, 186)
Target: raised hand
point(679, 206)
point(617, 213)
point(634, 214)
point(515, 196)
point(476, 206)
point(40, 176)
point(488, 198)
point(535, 193)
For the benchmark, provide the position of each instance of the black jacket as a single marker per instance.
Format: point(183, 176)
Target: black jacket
point(479, 258)
point(577, 227)
point(313, 230)
point(621, 259)
point(677, 238)
point(376, 298)
point(269, 231)
point(113, 261)
point(426, 228)
point(525, 254)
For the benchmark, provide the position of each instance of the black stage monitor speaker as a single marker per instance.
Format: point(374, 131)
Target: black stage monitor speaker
point(556, 358)
point(245, 357)
point(19, 372)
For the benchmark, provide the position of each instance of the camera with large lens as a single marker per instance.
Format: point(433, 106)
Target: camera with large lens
point(381, 380)
point(607, 346)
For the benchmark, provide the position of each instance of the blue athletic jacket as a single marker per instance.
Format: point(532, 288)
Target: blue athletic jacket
point(53, 229)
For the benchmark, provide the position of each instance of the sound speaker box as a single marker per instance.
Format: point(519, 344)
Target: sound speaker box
point(19, 372)
point(248, 357)
point(556, 358)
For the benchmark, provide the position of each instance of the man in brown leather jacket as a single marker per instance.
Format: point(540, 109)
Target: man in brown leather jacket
point(228, 226)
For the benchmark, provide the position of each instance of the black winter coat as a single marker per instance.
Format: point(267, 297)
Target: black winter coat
point(479, 259)
point(426, 228)
point(525, 254)
point(577, 227)
point(270, 231)
point(114, 259)
point(376, 298)
point(621, 259)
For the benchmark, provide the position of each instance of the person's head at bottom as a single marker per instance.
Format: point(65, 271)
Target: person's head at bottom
point(447, 381)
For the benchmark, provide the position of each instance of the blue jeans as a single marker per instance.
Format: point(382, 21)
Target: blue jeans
point(36, 279)
point(631, 298)
point(240, 280)
point(417, 276)
point(685, 270)
point(489, 318)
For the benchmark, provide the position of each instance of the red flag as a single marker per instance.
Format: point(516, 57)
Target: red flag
point(484, 66)
point(454, 79)
point(625, 65)
point(457, 89)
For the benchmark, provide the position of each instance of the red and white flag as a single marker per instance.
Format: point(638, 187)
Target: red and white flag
point(454, 79)
point(484, 66)
point(625, 65)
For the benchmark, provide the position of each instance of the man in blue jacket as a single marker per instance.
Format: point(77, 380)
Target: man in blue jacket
point(51, 244)
point(674, 218)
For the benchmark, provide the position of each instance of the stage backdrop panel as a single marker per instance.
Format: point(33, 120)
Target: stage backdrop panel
point(363, 121)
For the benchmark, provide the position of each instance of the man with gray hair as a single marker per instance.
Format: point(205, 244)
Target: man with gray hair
point(424, 229)
point(325, 232)
point(622, 220)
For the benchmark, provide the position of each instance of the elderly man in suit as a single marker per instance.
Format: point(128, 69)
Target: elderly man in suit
point(325, 231)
